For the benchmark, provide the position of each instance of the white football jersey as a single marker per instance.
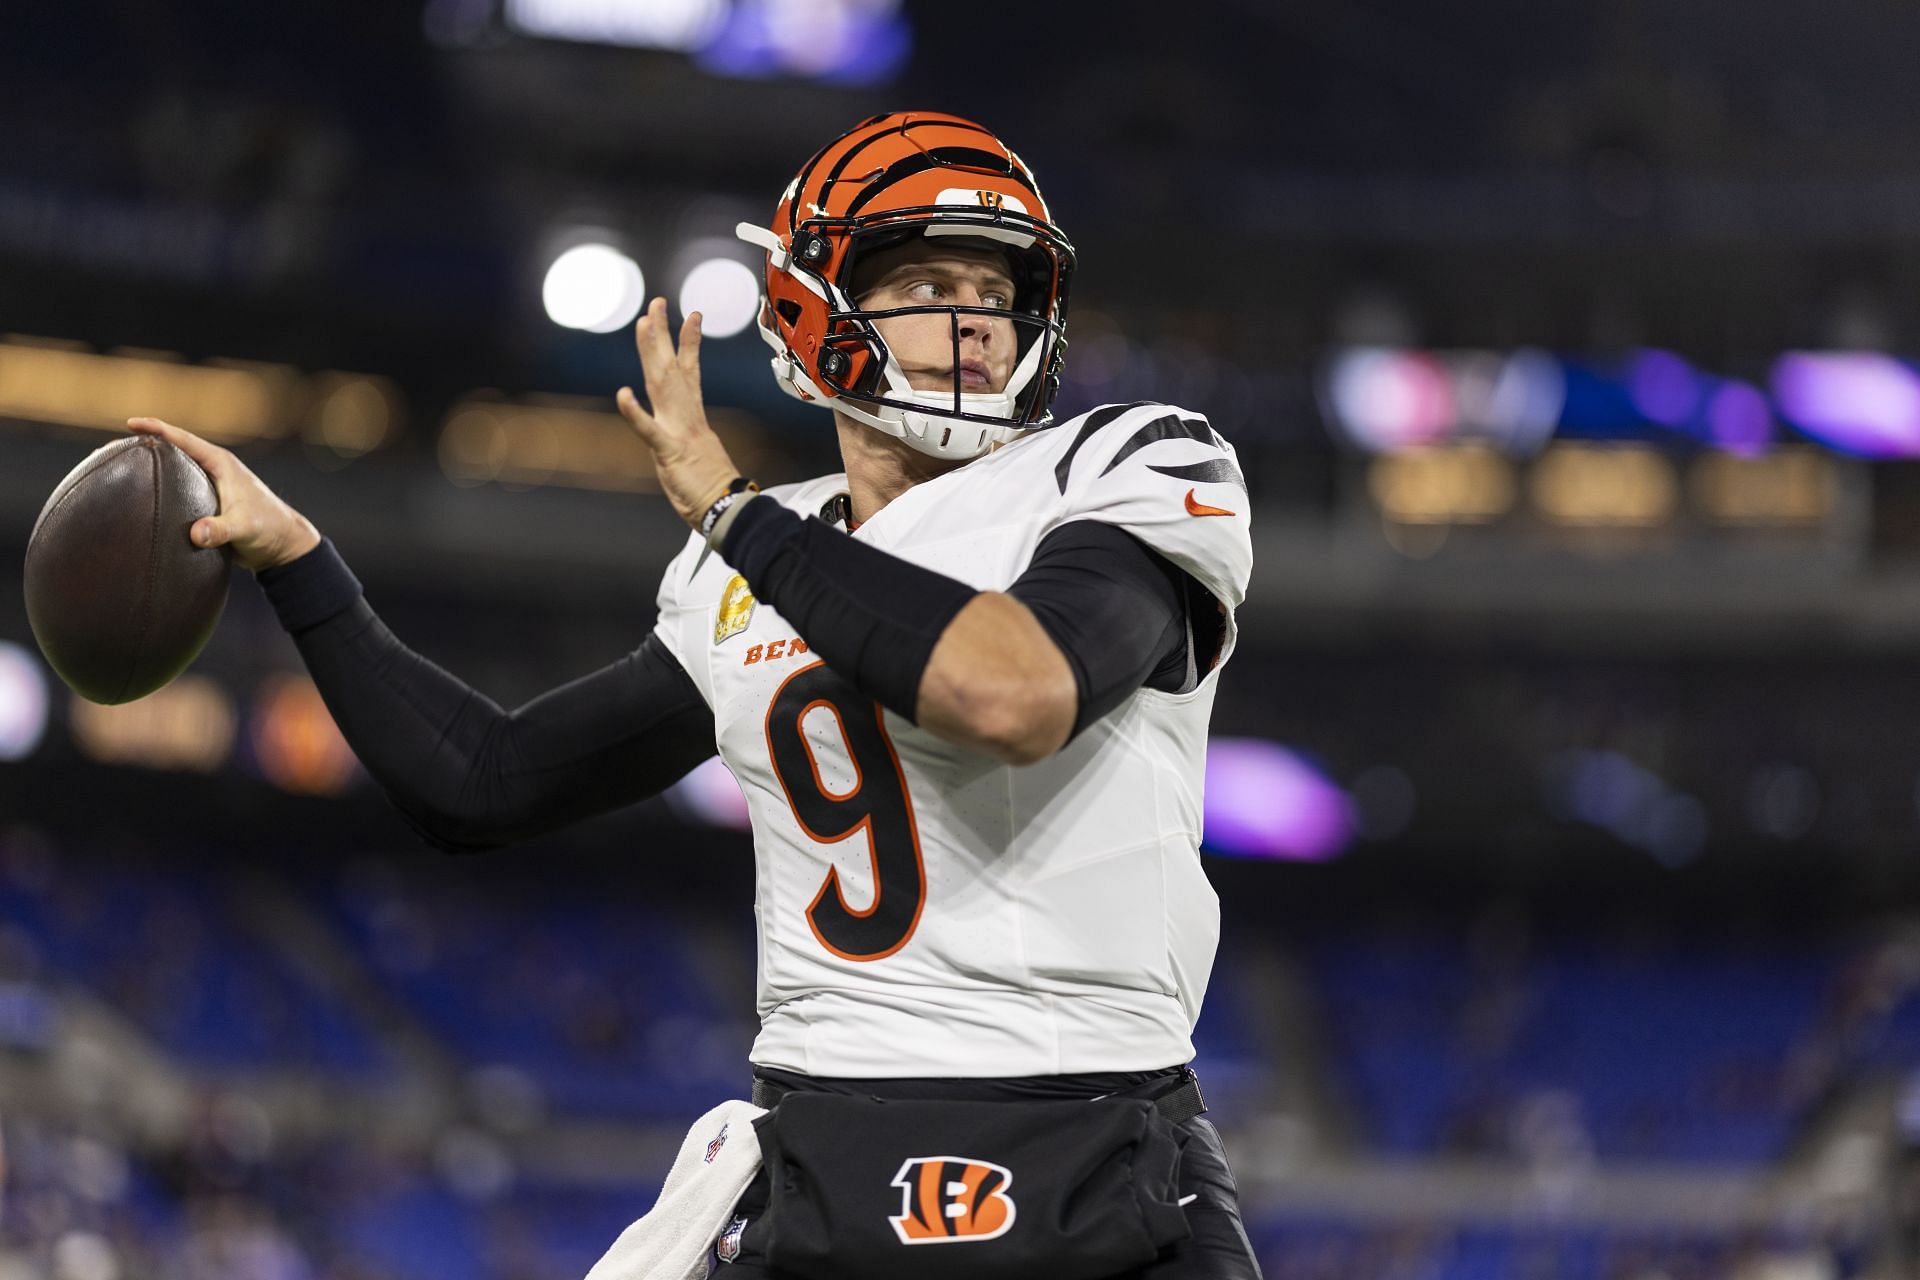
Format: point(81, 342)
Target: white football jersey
point(928, 911)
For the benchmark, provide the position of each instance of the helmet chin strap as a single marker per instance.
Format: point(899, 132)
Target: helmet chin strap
point(933, 429)
point(936, 434)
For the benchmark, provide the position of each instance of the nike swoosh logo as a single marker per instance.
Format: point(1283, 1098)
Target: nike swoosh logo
point(1196, 508)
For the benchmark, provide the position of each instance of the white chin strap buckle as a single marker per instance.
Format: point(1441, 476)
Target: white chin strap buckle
point(948, 437)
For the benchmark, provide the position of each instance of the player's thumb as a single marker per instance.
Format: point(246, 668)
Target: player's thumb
point(211, 532)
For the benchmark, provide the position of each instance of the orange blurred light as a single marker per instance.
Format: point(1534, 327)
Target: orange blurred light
point(1604, 486)
point(223, 401)
point(189, 724)
point(1464, 484)
point(1795, 486)
point(297, 744)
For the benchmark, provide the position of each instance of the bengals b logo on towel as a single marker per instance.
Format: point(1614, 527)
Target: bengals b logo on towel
point(952, 1200)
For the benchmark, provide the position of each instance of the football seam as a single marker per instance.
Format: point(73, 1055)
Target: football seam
point(145, 618)
point(34, 537)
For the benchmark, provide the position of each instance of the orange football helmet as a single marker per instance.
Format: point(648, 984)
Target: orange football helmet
point(896, 176)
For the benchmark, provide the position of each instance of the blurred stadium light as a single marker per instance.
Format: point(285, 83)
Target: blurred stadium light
point(552, 440)
point(1604, 485)
point(1266, 801)
point(189, 724)
point(593, 287)
point(295, 741)
point(1469, 484)
point(1858, 402)
point(1385, 399)
point(353, 414)
point(23, 702)
point(711, 795)
point(683, 25)
point(1663, 387)
point(1739, 420)
point(1605, 789)
point(851, 42)
point(726, 293)
point(64, 383)
point(1793, 485)
point(848, 42)
point(573, 441)
point(43, 380)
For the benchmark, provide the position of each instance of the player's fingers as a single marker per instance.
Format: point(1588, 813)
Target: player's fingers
point(642, 421)
point(212, 532)
point(646, 343)
point(210, 456)
point(688, 364)
point(690, 344)
point(654, 340)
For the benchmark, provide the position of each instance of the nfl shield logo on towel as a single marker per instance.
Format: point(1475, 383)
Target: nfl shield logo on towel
point(727, 1249)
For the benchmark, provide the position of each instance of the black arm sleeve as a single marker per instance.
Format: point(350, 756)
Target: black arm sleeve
point(465, 773)
point(1117, 610)
point(872, 616)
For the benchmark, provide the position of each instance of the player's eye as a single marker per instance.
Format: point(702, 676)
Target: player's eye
point(994, 298)
point(926, 290)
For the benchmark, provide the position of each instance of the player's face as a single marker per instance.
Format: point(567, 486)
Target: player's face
point(930, 273)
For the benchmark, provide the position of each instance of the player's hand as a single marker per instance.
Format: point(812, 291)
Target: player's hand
point(262, 530)
point(692, 464)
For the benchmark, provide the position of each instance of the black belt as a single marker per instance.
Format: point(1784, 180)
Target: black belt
point(1179, 1104)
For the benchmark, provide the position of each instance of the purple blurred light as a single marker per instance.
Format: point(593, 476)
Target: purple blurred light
point(1527, 400)
point(1386, 399)
point(1856, 401)
point(1739, 420)
point(711, 795)
point(838, 41)
point(1605, 789)
point(1264, 801)
point(1663, 387)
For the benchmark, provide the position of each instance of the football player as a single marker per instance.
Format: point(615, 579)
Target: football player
point(964, 685)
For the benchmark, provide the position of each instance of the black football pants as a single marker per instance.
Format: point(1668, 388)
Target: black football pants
point(1218, 1249)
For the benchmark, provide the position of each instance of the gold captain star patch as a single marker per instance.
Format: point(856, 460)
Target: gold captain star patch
point(736, 609)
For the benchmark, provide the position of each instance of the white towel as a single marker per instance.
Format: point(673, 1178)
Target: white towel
point(716, 1162)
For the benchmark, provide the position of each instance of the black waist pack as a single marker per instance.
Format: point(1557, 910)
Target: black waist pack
point(871, 1189)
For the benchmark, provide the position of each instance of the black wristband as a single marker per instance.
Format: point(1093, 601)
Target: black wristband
point(872, 616)
point(735, 488)
point(308, 591)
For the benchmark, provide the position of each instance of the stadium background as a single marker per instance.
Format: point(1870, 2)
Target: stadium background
point(1566, 789)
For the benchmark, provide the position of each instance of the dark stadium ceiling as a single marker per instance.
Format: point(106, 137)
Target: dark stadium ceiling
point(329, 186)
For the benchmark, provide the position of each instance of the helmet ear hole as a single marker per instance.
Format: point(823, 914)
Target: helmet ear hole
point(789, 310)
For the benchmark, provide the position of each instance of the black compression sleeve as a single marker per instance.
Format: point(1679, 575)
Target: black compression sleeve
point(465, 773)
point(1116, 609)
point(873, 617)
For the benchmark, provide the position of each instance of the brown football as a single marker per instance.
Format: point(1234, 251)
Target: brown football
point(118, 596)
